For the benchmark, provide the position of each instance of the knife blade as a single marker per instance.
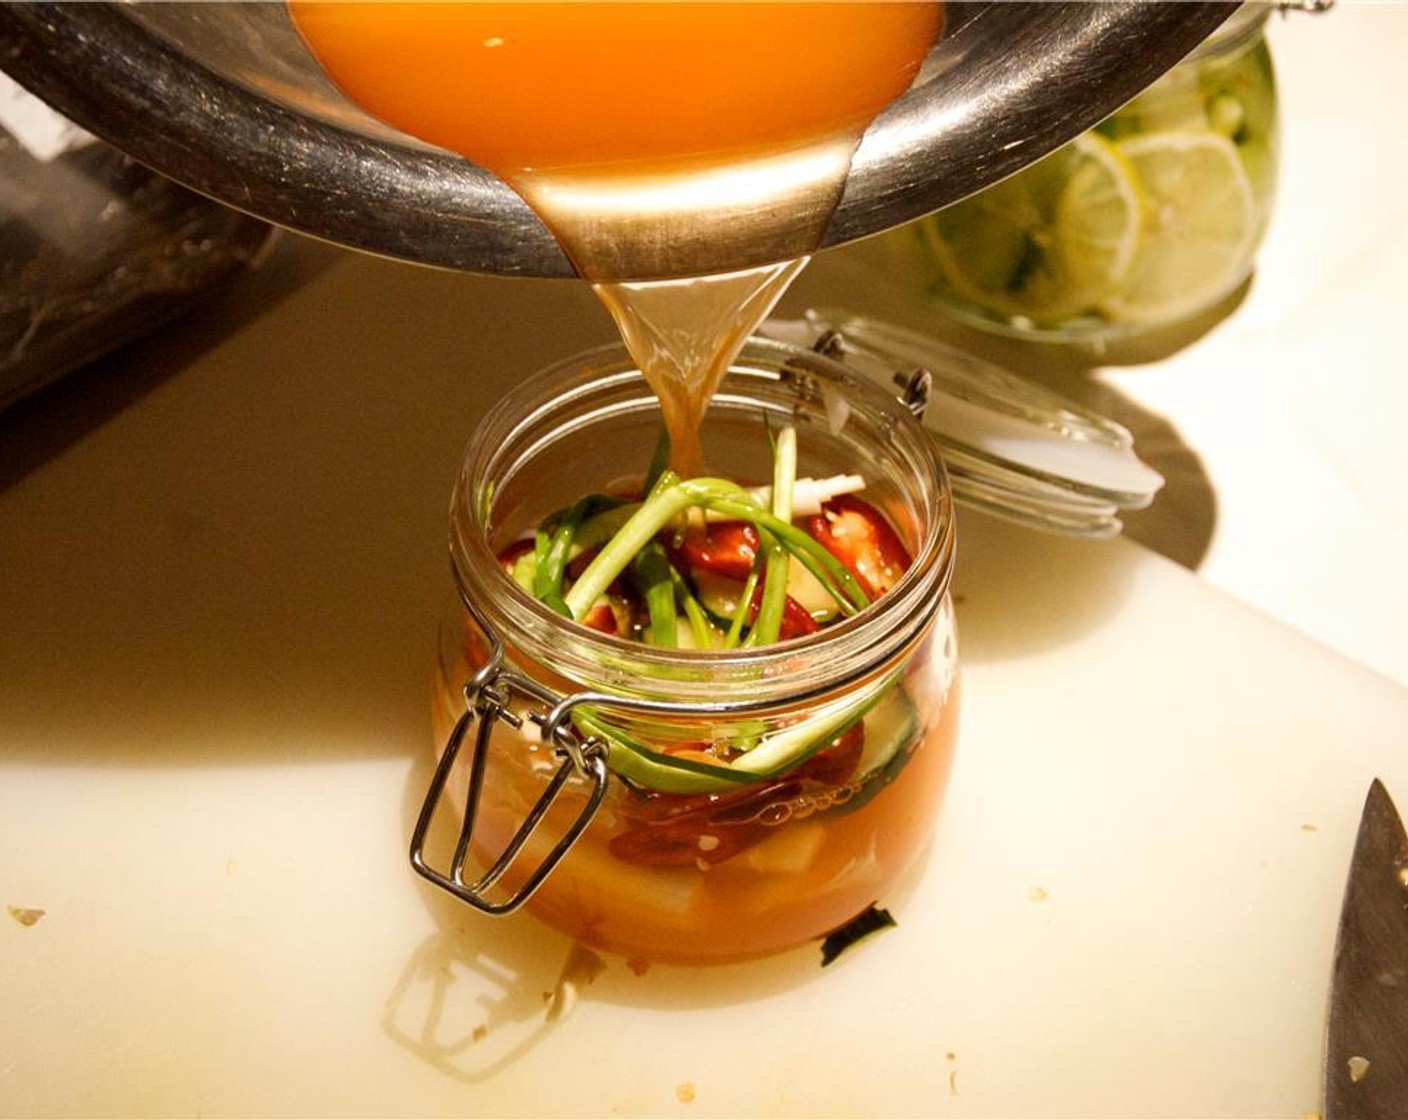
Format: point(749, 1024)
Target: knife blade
point(1366, 1053)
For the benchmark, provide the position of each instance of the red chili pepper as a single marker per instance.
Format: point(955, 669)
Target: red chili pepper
point(510, 555)
point(601, 617)
point(796, 619)
point(857, 534)
point(726, 548)
point(683, 844)
point(835, 765)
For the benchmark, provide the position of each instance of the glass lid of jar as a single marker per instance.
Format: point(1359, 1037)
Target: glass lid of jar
point(1012, 447)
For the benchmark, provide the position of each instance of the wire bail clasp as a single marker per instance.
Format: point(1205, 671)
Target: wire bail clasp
point(915, 384)
point(489, 697)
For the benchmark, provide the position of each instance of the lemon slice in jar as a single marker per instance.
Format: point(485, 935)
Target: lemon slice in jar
point(1050, 242)
point(1200, 227)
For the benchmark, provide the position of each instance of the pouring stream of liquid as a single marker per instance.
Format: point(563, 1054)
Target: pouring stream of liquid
point(655, 139)
point(685, 334)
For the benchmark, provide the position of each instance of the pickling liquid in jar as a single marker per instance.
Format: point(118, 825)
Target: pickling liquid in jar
point(734, 871)
point(655, 139)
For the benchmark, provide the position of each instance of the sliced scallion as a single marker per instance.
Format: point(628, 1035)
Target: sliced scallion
point(767, 627)
point(770, 756)
point(651, 571)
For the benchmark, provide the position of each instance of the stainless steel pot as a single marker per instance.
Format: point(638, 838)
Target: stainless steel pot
point(225, 99)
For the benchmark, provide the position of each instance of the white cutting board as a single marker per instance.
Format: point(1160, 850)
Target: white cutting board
point(218, 609)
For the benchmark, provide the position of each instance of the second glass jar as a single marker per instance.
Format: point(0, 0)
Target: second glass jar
point(1145, 221)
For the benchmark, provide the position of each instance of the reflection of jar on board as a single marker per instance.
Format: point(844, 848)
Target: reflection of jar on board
point(1149, 218)
point(678, 865)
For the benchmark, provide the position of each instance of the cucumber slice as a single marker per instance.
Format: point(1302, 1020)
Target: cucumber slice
point(525, 570)
point(893, 731)
point(809, 592)
point(718, 594)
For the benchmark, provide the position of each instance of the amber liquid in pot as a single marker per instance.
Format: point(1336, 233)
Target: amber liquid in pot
point(625, 125)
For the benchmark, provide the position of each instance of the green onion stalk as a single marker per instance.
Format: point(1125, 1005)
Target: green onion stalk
point(628, 538)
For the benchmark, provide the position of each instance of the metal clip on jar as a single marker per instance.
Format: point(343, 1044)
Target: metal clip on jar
point(557, 804)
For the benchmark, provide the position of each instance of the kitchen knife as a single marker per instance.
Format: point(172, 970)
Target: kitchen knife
point(1366, 1055)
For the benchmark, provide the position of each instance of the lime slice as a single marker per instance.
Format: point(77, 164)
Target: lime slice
point(1201, 226)
point(1175, 102)
point(1047, 243)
